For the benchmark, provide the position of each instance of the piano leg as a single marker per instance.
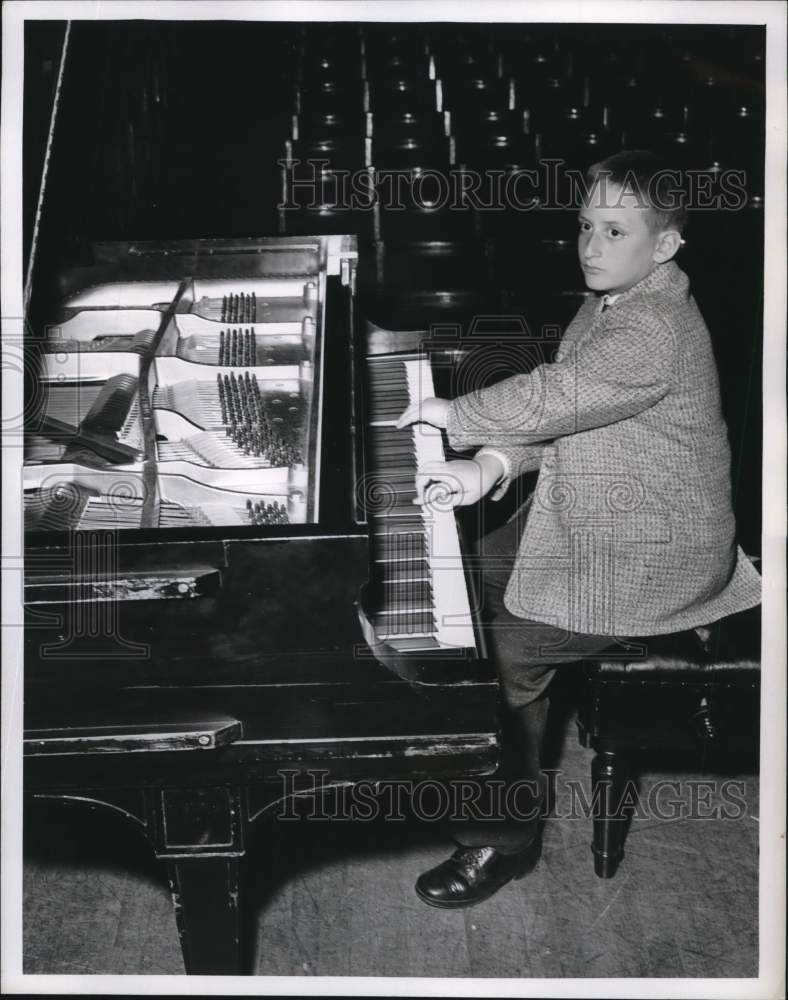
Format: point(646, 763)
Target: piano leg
point(206, 896)
point(199, 834)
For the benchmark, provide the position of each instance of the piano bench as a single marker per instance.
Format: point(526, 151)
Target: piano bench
point(690, 691)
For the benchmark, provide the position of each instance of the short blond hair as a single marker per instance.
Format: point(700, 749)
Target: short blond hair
point(651, 180)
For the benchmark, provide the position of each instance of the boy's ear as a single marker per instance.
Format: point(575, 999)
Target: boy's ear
point(667, 245)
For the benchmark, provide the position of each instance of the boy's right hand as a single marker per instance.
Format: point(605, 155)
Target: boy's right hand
point(458, 483)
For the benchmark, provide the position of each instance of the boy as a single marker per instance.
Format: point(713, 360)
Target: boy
point(630, 532)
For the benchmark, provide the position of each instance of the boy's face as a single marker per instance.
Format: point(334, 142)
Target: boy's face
point(616, 245)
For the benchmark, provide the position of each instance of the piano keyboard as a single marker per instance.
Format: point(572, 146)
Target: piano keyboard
point(418, 563)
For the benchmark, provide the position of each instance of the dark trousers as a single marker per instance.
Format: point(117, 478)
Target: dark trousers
point(526, 655)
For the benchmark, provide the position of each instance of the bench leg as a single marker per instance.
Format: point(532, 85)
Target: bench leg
point(609, 771)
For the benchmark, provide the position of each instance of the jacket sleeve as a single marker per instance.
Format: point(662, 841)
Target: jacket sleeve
point(621, 368)
point(516, 460)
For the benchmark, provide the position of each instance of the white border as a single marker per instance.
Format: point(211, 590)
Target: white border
point(770, 983)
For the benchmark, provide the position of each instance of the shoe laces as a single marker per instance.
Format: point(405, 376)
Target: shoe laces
point(470, 859)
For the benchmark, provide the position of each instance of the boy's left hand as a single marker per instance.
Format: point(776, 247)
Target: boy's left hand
point(428, 411)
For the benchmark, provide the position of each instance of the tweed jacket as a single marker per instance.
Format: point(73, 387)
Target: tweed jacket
point(630, 529)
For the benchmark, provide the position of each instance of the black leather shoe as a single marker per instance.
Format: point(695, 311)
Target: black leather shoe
point(472, 874)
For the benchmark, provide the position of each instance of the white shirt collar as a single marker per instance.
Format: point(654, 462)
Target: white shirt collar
point(608, 300)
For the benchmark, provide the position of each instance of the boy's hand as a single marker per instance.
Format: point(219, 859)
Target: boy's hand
point(428, 411)
point(458, 483)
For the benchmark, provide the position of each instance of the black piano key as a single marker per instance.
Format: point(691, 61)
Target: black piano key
point(388, 539)
point(387, 453)
point(405, 607)
point(401, 480)
point(387, 522)
point(402, 538)
point(390, 396)
point(402, 546)
point(393, 446)
point(416, 594)
point(402, 492)
point(385, 435)
point(397, 476)
point(420, 623)
point(406, 569)
point(385, 390)
point(415, 644)
point(388, 412)
point(399, 509)
point(384, 445)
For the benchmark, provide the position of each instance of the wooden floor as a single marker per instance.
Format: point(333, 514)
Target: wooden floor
point(336, 899)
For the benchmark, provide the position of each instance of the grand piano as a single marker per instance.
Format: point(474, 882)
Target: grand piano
point(230, 599)
point(228, 589)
